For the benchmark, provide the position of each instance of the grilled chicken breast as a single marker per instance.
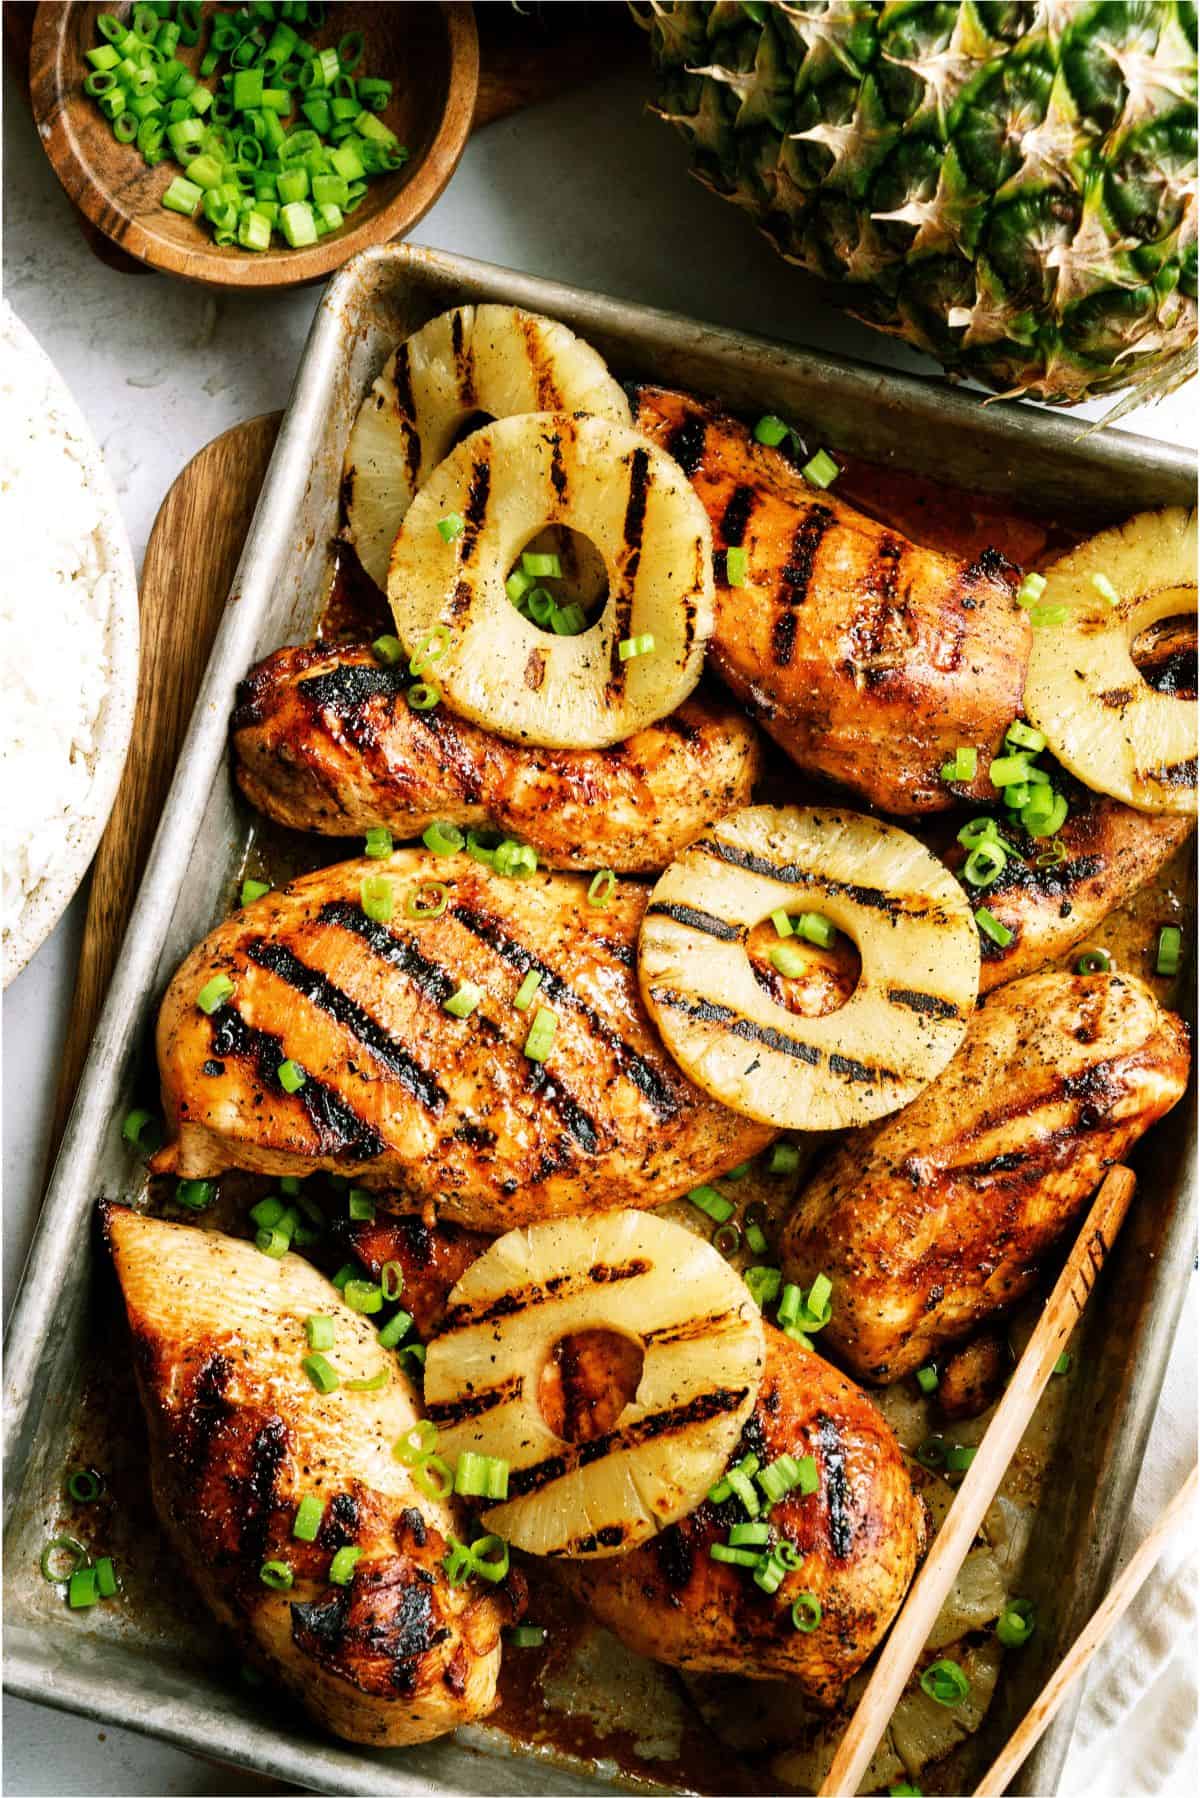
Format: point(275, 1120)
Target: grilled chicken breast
point(860, 1533)
point(325, 740)
point(868, 658)
point(1108, 851)
point(239, 1434)
point(934, 1219)
point(406, 1095)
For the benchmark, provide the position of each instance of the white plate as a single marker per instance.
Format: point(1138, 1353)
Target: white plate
point(46, 902)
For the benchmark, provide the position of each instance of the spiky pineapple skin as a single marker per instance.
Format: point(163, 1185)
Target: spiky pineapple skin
point(1009, 185)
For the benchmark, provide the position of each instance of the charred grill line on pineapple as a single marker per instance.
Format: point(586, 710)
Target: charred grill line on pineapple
point(494, 360)
point(1009, 188)
point(908, 918)
point(646, 1280)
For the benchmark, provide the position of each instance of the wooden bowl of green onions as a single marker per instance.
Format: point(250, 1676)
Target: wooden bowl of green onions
point(253, 145)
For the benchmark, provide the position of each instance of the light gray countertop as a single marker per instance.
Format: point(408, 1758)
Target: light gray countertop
point(585, 189)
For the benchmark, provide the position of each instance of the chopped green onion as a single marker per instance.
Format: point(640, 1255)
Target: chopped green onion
point(932, 1452)
point(958, 1458)
point(291, 1076)
point(734, 1557)
point(1106, 590)
point(373, 1383)
point(541, 567)
point(743, 1535)
point(635, 646)
point(527, 989)
point(277, 1575)
point(718, 1494)
point(423, 696)
point(1094, 961)
point(927, 1378)
point(106, 1578)
point(254, 889)
point(214, 993)
point(58, 1546)
point(84, 1485)
point(82, 1589)
point(183, 196)
point(990, 926)
point(432, 650)
point(267, 1213)
point(822, 471)
point(341, 1568)
point(756, 1240)
point(196, 1195)
point(789, 960)
point(388, 650)
point(600, 890)
point(1041, 823)
point(395, 1330)
point(735, 566)
point(273, 1243)
point(377, 897)
point(740, 1487)
point(360, 1206)
point(1020, 735)
point(1008, 770)
point(414, 1351)
point(443, 839)
point(462, 1001)
point(307, 1521)
point(806, 1613)
point(540, 1039)
point(513, 860)
point(318, 1330)
point(784, 1158)
point(379, 842)
point(1016, 1623)
point(986, 862)
point(763, 1284)
point(1048, 617)
point(963, 766)
point(714, 1204)
point(298, 225)
point(451, 526)
point(727, 1240)
point(323, 1376)
point(415, 1444)
point(1169, 954)
point(770, 430)
point(1031, 589)
point(363, 1296)
point(770, 1573)
point(142, 1130)
point(779, 1479)
point(1063, 1364)
point(429, 900)
point(391, 1280)
point(782, 922)
point(945, 1682)
point(481, 1476)
point(814, 927)
point(526, 1635)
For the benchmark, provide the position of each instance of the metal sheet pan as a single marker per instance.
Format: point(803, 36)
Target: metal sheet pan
point(148, 1671)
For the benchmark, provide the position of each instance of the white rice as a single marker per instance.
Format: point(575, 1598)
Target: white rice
point(57, 584)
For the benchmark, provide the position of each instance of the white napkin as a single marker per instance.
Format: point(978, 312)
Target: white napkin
point(1136, 1735)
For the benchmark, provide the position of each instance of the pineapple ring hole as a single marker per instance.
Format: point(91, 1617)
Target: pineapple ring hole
point(589, 1378)
point(827, 982)
point(1164, 653)
point(584, 580)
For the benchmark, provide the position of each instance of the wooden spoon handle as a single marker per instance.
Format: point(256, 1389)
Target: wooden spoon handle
point(927, 1594)
point(1075, 1663)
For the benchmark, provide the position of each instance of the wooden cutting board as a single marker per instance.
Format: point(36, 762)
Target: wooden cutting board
point(190, 563)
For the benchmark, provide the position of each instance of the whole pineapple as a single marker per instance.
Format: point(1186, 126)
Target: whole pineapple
point(1010, 185)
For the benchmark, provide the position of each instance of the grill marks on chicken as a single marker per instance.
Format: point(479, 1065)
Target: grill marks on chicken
point(447, 1110)
point(325, 740)
point(934, 1219)
point(861, 1534)
point(1110, 852)
point(238, 1434)
point(867, 658)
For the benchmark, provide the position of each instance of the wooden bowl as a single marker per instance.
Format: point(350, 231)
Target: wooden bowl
point(430, 53)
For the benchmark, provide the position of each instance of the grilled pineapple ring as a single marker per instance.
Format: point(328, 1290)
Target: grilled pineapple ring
point(493, 359)
point(496, 667)
point(701, 1336)
point(913, 928)
point(1084, 692)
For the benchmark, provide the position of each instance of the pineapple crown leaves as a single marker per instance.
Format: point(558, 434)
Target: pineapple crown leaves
point(949, 219)
point(1095, 257)
point(841, 37)
point(858, 147)
point(1155, 80)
